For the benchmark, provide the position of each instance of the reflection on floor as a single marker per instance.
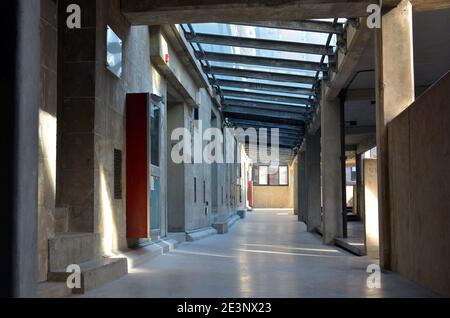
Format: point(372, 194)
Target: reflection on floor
point(269, 254)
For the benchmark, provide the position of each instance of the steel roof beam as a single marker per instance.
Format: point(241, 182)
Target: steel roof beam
point(263, 87)
point(269, 76)
point(303, 25)
point(267, 97)
point(262, 61)
point(264, 44)
point(265, 106)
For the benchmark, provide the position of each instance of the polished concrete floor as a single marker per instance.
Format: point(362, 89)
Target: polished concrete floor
point(269, 254)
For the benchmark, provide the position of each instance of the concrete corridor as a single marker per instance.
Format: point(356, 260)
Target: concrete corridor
point(267, 255)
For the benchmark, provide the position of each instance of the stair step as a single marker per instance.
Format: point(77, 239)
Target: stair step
point(53, 290)
point(93, 273)
point(72, 248)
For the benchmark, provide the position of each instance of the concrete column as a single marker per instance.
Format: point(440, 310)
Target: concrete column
point(75, 182)
point(302, 187)
point(371, 208)
point(359, 187)
point(331, 168)
point(20, 78)
point(314, 206)
point(394, 93)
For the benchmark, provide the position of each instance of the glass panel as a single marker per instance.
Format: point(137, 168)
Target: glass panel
point(273, 176)
point(113, 53)
point(284, 179)
point(154, 130)
point(155, 211)
point(263, 175)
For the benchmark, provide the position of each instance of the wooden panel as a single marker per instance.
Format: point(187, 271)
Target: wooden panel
point(137, 166)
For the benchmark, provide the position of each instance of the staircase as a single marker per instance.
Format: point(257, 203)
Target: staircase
point(81, 249)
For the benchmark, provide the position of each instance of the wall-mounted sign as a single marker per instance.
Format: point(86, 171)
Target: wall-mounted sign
point(113, 53)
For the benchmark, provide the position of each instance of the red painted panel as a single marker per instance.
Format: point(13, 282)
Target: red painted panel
point(250, 193)
point(137, 165)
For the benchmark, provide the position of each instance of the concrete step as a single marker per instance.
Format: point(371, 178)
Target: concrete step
point(94, 273)
point(232, 220)
point(354, 248)
point(53, 290)
point(146, 253)
point(200, 234)
point(72, 248)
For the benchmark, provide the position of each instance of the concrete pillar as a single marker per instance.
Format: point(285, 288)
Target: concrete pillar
point(394, 93)
point(371, 208)
point(359, 187)
point(331, 168)
point(77, 143)
point(20, 78)
point(313, 182)
point(302, 187)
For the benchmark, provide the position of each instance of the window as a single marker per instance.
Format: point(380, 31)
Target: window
point(154, 130)
point(284, 175)
point(263, 175)
point(271, 176)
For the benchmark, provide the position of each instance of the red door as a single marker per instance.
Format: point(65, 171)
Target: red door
point(137, 110)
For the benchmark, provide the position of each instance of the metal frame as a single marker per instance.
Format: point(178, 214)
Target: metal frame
point(249, 103)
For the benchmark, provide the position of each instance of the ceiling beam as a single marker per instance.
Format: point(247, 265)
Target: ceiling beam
point(269, 76)
point(263, 87)
point(264, 113)
point(158, 12)
point(430, 5)
point(265, 106)
point(262, 61)
point(259, 43)
point(304, 25)
point(360, 130)
point(268, 97)
point(358, 38)
point(255, 123)
point(263, 117)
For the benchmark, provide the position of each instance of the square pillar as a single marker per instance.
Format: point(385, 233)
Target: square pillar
point(331, 168)
point(302, 187)
point(314, 204)
point(394, 93)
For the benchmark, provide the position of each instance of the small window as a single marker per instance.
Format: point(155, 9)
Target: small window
point(263, 175)
point(273, 176)
point(284, 175)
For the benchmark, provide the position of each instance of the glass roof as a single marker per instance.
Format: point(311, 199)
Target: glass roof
point(281, 74)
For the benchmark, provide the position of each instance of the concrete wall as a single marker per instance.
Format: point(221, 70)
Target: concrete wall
point(273, 197)
point(82, 125)
point(47, 133)
point(419, 188)
point(110, 94)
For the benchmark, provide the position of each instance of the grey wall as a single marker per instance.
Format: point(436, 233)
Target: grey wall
point(419, 157)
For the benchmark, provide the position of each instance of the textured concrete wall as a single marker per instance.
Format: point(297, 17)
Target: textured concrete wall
point(273, 197)
point(419, 156)
point(110, 94)
point(47, 133)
